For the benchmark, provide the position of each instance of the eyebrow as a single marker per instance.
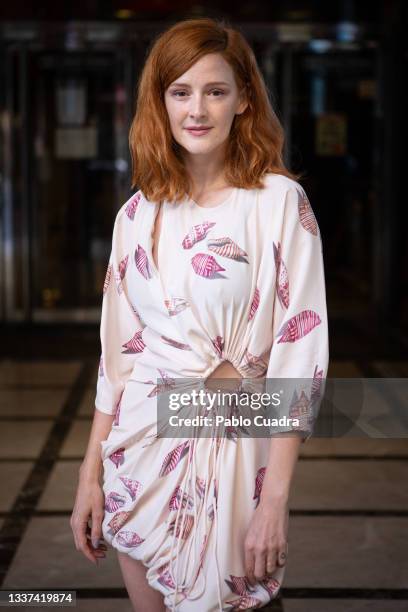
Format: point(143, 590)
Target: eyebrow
point(187, 85)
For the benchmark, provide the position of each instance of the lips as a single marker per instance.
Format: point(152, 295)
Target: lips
point(198, 131)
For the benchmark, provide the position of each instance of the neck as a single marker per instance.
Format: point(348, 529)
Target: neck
point(206, 171)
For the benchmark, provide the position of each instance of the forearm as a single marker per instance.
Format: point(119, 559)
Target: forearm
point(282, 459)
point(91, 466)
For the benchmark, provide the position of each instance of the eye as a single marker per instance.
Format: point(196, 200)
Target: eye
point(180, 94)
point(175, 93)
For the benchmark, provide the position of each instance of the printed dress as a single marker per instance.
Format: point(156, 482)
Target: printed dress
point(244, 282)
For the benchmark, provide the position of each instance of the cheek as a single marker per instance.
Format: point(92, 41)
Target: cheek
point(224, 116)
point(173, 113)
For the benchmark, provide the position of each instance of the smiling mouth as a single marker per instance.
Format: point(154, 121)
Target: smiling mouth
point(198, 131)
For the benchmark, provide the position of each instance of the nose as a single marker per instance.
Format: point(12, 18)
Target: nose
point(198, 106)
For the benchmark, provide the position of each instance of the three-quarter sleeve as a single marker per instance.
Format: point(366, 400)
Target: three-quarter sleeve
point(120, 326)
point(300, 350)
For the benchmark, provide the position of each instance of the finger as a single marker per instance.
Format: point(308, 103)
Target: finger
point(83, 545)
point(270, 563)
point(282, 555)
point(260, 561)
point(249, 566)
point(102, 545)
point(96, 529)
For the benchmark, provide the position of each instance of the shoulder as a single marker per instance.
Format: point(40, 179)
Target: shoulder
point(129, 216)
point(280, 185)
point(128, 210)
point(280, 196)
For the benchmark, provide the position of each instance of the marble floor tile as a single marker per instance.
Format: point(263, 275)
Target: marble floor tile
point(77, 440)
point(103, 605)
point(31, 402)
point(344, 605)
point(14, 474)
point(23, 439)
point(93, 605)
point(347, 551)
point(47, 558)
point(350, 485)
point(355, 446)
point(36, 373)
point(60, 491)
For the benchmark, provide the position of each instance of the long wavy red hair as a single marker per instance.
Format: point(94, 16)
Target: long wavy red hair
point(256, 138)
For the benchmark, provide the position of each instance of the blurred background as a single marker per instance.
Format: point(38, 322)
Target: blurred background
point(336, 75)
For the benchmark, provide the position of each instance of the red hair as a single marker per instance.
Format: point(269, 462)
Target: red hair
point(256, 138)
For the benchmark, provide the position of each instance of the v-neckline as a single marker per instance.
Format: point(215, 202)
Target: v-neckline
point(155, 213)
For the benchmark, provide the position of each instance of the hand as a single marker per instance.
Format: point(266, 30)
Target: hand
point(266, 540)
point(89, 504)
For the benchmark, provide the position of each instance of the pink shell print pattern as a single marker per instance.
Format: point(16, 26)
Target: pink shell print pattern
point(247, 599)
point(129, 539)
point(182, 528)
point(176, 344)
point(120, 274)
point(253, 365)
point(197, 233)
point(254, 304)
point(167, 384)
point(227, 248)
point(107, 279)
point(316, 384)
point(218, 344)
point(300, 409)
point(165, 578)
point(177, 500)
point(135, 344)
point(114, 501)
point(282, 280)
point(242, 587)
point(132, 486)
point(200, 487)
point(175, 305)
point(118, 520)
point(298, 326)
point(306, 214)
point(117, 457)
point(132, 206)
point(142, 262)
point(206, 265)
point(258, 484)
point(173, 458)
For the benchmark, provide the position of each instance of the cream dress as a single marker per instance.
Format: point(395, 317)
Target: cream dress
point(244, 282)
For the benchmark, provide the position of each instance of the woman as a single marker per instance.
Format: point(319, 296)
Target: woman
point(217, 230)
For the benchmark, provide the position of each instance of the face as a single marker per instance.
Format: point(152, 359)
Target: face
point(205, 95)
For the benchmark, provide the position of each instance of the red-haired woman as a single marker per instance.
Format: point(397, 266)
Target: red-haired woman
point(216, 270)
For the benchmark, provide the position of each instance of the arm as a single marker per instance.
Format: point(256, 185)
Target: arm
point(120, 333)
point(300, 349)
point(91, 467)
point(121, 328)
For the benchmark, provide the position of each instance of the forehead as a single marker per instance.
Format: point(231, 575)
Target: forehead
point(209, 69)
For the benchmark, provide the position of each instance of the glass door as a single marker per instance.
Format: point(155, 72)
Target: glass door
point(66, 174)
point(328, 103)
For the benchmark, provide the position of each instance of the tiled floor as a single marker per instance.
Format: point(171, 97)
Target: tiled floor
point(349, 500)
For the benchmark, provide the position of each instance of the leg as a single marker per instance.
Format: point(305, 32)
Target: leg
point(141, 594)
